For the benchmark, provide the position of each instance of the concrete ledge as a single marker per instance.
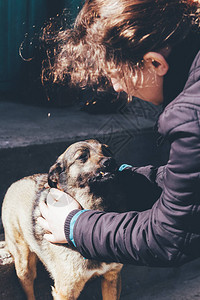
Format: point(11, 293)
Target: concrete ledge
point(23, 125)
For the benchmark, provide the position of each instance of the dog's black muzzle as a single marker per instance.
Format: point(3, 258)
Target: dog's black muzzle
point(106, 172)
point(108, 164)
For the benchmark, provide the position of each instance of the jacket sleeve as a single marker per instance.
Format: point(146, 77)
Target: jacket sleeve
point(168, 234)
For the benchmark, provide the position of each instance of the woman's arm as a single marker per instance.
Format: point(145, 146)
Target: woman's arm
point(166, 235)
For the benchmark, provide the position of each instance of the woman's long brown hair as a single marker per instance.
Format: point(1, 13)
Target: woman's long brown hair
point(115, 34)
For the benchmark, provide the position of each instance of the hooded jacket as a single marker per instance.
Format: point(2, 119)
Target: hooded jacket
point(168, 234)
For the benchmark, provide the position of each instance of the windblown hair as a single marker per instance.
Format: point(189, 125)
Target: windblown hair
point(115, 34)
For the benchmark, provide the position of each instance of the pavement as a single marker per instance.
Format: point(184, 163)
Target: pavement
point(31, 138)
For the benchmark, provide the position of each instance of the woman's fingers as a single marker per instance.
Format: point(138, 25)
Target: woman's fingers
point(43, 209)
point(59, 197)
point(55, 193)
point(44, 224)
point(50, 238)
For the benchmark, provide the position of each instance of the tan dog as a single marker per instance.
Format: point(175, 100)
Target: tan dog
point(82, 168)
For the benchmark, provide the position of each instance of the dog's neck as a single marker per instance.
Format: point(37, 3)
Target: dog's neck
point(86, 199)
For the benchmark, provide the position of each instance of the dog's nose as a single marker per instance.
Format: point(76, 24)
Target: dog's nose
point(108, 163)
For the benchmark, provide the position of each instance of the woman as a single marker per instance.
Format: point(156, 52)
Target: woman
point(148, 49)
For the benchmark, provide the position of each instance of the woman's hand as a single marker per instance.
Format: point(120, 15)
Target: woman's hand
point(54, 213)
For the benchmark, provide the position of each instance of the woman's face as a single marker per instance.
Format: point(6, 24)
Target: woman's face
point(149, 83)
point(149, 89)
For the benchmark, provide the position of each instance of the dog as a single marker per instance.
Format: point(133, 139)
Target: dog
point(86, 171)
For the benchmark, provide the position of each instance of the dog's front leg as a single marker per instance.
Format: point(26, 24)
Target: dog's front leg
point(111, 285)
point(69, 290)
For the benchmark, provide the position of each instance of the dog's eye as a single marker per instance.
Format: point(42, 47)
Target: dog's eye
point(84, 156)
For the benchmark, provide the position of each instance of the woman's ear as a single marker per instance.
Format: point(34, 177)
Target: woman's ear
point(156, 61)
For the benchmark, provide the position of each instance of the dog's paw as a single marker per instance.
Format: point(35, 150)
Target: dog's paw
point(5, 256)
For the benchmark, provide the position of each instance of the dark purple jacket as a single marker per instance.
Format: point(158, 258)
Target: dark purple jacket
point(169, 233)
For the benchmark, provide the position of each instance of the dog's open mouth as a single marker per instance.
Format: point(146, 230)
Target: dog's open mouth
point(106, 171)
point(102, 176)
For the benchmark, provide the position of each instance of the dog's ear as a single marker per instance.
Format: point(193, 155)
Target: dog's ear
point(53, 176)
